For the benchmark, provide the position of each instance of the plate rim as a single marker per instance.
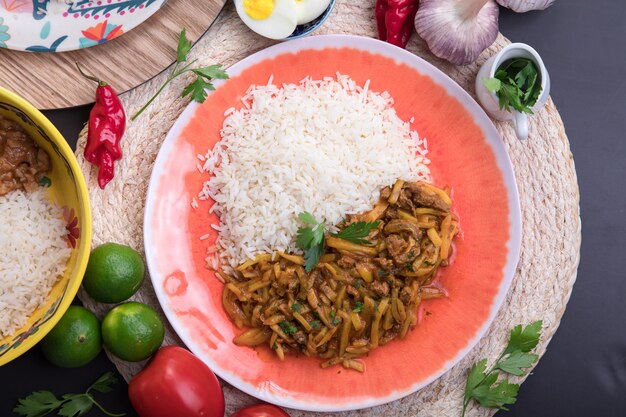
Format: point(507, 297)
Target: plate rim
point(492, 138)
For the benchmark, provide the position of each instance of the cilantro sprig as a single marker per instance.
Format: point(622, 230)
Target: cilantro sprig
point(517, 84)
point(485, 387)
point(204, 75)
point(41, 403)
point(311, 238)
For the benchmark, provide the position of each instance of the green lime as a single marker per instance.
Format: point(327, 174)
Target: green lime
point(132, 331)
point(114, 273)
point(75, 340)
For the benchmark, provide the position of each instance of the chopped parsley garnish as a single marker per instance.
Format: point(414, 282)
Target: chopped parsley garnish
point(335, 320)
point(315, 324)
point(409, 267)
point(358, 307)
point(288, 328)
point(382, 273)
point(274, 346)
point(358, 284)
point(296, 307)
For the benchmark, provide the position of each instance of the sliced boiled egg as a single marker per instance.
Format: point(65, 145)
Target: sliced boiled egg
point(309, 10)
point(274, 19)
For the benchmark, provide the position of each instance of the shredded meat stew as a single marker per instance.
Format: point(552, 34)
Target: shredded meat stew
point(22, 163)
point(358, 297)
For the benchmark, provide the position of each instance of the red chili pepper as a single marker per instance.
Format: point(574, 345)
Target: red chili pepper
point(107, 122)
point(394, 19)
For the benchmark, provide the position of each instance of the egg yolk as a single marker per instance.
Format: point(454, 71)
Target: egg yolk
point(259, 9)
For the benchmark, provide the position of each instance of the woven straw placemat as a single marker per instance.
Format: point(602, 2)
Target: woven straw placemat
point(544, 170)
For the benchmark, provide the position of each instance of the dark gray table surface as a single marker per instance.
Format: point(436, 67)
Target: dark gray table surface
point(583, 44)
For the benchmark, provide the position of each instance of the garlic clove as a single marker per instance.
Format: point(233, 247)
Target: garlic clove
point(521, 6)
point(457, 30)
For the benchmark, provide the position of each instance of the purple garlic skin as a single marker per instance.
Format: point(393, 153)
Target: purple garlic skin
point(522, 6)
point(457, 30)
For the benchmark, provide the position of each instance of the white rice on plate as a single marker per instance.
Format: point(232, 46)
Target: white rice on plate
point(34, 255)
point(323, 146)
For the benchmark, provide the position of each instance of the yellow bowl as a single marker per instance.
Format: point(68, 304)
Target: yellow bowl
point(66, 188)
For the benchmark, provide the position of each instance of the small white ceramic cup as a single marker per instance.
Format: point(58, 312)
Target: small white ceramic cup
point(489, 100)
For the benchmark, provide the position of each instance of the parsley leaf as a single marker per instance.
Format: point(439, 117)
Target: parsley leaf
point(525, 339)
point(358, 307)
point(37, 404)
point(184, 46)
point(296, 307)
point(41, 403)
point(315, 324)
point(476, 377)
point(308, 237)
point(288, 328)
point(105, 383)
point(197, 88)
point(313, 255)
point(307, 218)
point(356, 232)
point(516, 361)
point(517, 85)
point(492, 84)
point(211, 72)
point(76, 405)
point(310, 240)
point(483, 386)
point(495, 396)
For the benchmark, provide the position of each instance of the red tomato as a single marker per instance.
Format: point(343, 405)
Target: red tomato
point(176, 383)
point(261, 410)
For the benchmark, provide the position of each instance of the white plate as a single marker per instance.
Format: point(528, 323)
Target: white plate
point(472, 159)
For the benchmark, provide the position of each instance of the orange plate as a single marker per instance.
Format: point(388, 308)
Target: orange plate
point(466, 153)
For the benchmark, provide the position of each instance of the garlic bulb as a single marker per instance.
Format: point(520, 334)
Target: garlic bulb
point(457, 30)
point(521, 6)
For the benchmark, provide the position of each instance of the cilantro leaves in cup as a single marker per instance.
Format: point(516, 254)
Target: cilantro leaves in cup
point(517, 84)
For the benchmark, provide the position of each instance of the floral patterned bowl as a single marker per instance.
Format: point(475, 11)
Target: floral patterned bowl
point(66, 187)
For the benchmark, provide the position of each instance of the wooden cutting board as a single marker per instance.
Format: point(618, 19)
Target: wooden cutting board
point(49, 80)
